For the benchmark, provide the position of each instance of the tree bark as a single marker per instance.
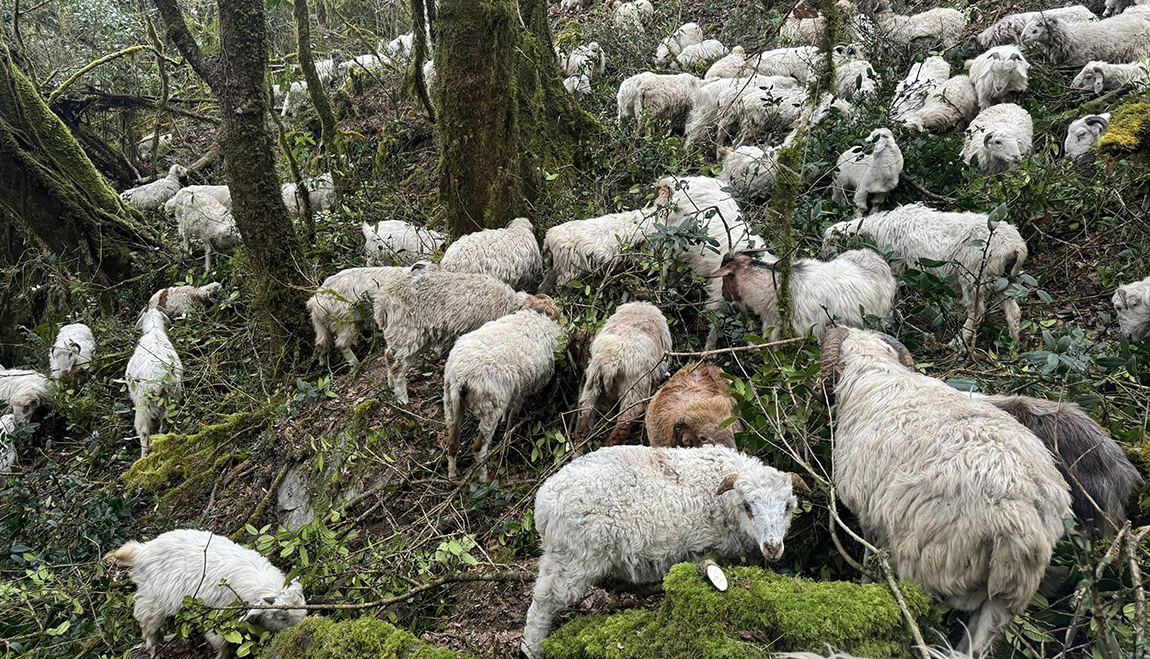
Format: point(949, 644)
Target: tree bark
point(507, 119)
point(237, 78)
point(329, 135)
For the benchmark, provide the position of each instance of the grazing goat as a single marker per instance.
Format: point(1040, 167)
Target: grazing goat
point(593, 246)
point(395, 242)
point(967, 500)
point(692, 409)
point(510, 254)
point(631, 512)
point(628, 356)
point(183, 301)
point(24, 392)
point(998, 138)
point(332, 308)
point(74, 347)
point(151, 196)
point(872, 175)
point(1132, 302)
point(154, 373)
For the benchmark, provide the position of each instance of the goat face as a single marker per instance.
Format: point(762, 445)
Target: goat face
point(1133, 307)
point(279, 619)
point(1035, 32)
point(1002, 144)
point(763, 505)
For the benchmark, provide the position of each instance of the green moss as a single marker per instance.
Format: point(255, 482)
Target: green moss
point(182, 464)
point(318, 637)
point(761, 613)
point(360, 414)
point(569, 35)
point(1129, 129)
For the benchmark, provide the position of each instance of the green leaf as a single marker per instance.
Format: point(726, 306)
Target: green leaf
point(59, 629)
point(234, 636)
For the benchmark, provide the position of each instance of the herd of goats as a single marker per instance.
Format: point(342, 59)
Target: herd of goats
point(967, 491)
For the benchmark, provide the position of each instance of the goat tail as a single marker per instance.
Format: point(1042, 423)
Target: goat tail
point(453, 393)
point(323, 340)
point(125, 554)
point(1017, 564)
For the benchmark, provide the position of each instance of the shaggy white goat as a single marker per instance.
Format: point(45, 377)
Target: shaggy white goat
point(998, 138)
point(74, 347)
point(967, 500)
point(631, 15)
point(924, 78)
point(998, 72)
point(368, 62)
point(628, 357)
point(843, 291)
point(855, 78)
point(1132, 302)
point(208, 222)
point(401, 46)
point(631, 512)
point(654, 97)
point(801, 30)
point(935, 29)
point(715, 101)
point(294, 99)
point(578, 86)
point(1122, 38)
point(1120, 6)
point(24, 392)
point(798, 63)
point(7, 444)
point(586, 60)
point(430, 309)
point(704, 202)
point(732, 65)
point(395, 242)
point(151, 196)
point(685, 35)
point(320, 193)
point(510, 254)
point(871, 176)
point(1084, 133)
point(155, 375)
point(756, 112)
point(574, 249)
point(1009, 28)
point(332, 308)
point(491, 370)
point(962, 241)
point(749, 169)
point(182, 301)
point(144, 146)
point(188, 194)
point(189, 563)
point(1101, 76)
point(954, 102)
point(698, 56)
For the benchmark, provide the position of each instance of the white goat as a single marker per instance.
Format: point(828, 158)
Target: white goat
point(591, 246)
point(430, 309)
point(749, 170)
point(715, 101)
point(732, 65)
point(332, 308)
point(395, 242)
point(935, 29)
point(798, 63)
point(1084, 133)
point(578, 86)
point(855, 78)
point(871, 176)
point(685, 35)
point(1119, 6)
point(628, 357)
point(699, 56)
point(924, 78)
point(155, 375)
point(295, 98)
point(1009, 28)
point(189, 563)
point(328, 70)
point(1101, 76)
point(182, 301)
point(493, 369)
point(320, 194)
point(189, 193)
point(842, 291)
point(998, 138)
point(586, 60)
point(998, 72)
point(631, 512)
point(967, 500)
point(632, 14)
point(24, 392)
point(1122, 38)
point(954, 102)
point(651, 97)
point(208, 222)
point(7, 443)
point(972, 253)
point(151, 196)
point(74, 347)
point(1132, 302)
point(510, 254)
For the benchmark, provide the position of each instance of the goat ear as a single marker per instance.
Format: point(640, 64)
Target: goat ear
point(986, 139)
point(269, 600)
point(721, 272)
point(1122, 296)
point(724, 152)
point(295, 586)
point(798, 485)
point(1099, 82)
point(163, 301)
point(879, 145)
point(727, 484)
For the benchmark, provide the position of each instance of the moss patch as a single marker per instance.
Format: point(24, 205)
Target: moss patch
point(318, 637)
point(761, 613)
point(182, 464)
point(1129, 129)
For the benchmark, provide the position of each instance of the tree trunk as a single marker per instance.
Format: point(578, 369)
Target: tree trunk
point(507, 119)
point(237, 77)
point(52, 201)
point(329, 136)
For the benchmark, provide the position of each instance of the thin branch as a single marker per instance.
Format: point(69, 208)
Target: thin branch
point(759, 346)
point(91, 65)
point(178, 34)
point(914, 630)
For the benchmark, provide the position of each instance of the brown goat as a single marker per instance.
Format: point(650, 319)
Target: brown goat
point(690, 409)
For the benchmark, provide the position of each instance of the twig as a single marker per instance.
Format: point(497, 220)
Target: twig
point(926, 192)
point(708, 353)
point(1133, 541)
point(918, 640)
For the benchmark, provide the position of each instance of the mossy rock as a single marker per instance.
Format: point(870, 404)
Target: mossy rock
point(760, 614)
point(186, 462)
point(318, 637)
point(1129, 129)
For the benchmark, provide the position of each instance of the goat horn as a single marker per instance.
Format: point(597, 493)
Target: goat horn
point(727, 484)
point(904, 356)
point(162, 303)
point(832, 344)
point(1097, 120)
point(986, 139)
point(799, 485)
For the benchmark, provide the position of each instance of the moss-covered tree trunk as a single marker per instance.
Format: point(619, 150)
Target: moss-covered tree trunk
point(507, 118)
point(237, 78)
point(52, 201)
